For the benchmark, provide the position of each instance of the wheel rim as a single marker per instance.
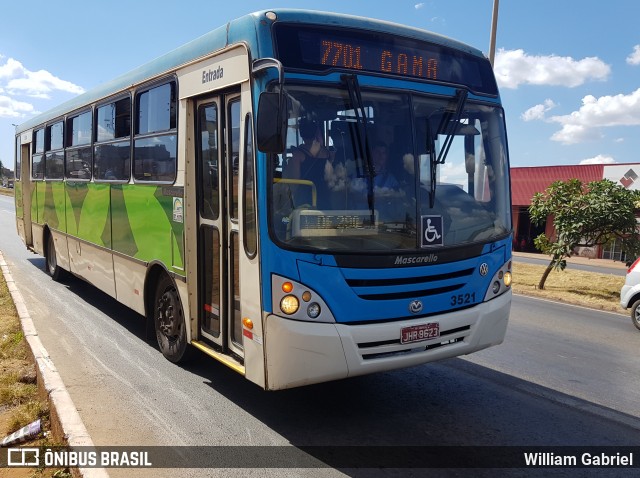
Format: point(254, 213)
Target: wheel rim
point(169, 320)
point(636, 316)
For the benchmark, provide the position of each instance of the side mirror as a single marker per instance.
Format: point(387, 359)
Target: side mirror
point(271, 130)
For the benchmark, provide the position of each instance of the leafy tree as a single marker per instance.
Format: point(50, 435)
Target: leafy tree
point(584, 215)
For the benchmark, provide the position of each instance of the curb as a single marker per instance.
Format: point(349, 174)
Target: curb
point(66, 424)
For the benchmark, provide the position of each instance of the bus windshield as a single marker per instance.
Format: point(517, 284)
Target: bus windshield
point(389, 172)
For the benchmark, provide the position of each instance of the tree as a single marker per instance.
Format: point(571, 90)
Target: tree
point(584, 216)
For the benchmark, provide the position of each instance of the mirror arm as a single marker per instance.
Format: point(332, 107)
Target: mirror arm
point(265, 63)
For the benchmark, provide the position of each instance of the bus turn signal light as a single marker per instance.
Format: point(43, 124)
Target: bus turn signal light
point(248, 323)
point(287, 287)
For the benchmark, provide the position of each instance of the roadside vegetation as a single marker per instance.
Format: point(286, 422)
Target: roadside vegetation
point(584, 215)
point(20, 403)
point(588, 289)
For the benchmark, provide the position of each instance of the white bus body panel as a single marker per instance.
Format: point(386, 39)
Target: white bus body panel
point(38, 238)
point(302, 353)
point(94, 264)
point(129, 276)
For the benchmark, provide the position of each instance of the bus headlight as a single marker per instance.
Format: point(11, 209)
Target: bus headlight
point(289, 304)
point(500, 283)
point(507, 279)
point(293, 300)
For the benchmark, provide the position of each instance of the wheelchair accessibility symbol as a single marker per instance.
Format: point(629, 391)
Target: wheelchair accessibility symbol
point(432, 231)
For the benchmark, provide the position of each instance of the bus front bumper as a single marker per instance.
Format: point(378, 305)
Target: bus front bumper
point(301, 353)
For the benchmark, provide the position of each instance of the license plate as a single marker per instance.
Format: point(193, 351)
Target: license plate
point(418, 333)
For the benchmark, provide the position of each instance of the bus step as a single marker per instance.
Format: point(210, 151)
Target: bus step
point(225, 359)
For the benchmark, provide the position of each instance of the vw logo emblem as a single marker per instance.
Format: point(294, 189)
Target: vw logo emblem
point(415, 307)
point(484, 269)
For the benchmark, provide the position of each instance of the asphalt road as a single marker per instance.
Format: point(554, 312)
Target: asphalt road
point(564, 376)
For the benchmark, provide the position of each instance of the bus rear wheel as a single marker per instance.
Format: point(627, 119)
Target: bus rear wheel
point(51, 260)
point(169, 321)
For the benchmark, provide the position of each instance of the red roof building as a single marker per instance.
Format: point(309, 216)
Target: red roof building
point(527, 181)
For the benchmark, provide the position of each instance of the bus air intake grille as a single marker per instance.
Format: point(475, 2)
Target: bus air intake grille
point(409, 287)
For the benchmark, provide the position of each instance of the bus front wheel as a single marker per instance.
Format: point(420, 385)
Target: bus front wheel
point(51, 260)
point(169, 322)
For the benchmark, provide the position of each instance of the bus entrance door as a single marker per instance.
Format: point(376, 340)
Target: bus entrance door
point(217, 144)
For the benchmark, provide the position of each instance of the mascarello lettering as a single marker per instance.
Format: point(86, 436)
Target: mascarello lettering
point(404, 260)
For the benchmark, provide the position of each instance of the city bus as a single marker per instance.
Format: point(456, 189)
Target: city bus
point(181, 190)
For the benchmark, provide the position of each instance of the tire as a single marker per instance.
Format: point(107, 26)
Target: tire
point(169, 322)
point(51, 260)
point(635, 314)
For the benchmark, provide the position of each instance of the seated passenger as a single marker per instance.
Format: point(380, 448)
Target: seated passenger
point(384, 178)
point(309, 162)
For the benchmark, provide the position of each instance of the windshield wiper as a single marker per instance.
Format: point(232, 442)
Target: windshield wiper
point(449, 126)
point(362, 139)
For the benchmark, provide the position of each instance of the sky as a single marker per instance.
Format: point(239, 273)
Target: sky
point(568, 70)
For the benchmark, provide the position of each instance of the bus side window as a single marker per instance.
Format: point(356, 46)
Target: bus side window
point(112, 159)
point(155, 147)
point(78, 152)
point(37, 159)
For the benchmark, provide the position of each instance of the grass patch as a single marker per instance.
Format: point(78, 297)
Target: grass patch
point(589, 289)
point(20, 404)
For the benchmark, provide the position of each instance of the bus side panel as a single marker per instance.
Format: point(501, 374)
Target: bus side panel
point(54, 205)
point(92, 207)
point(19, 202)
point(76, 194)
point(17, 191)
point(55, 218)
point(36, 216)
point(37, 201)
point(97, 265)
point(143, 224)
point(90, 217)
point(129, 282)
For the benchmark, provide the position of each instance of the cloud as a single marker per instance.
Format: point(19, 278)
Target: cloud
point(596, 113)
point(599, 159)
point(634, 58)
point(11, 69)
point(16, 80)
point(515, 67)
point(10, 108)
point(419, 6)
point(537, 112)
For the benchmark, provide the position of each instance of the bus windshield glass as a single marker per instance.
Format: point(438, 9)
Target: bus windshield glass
point(396, 172)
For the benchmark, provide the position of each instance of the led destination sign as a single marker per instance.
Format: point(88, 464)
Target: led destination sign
point(346, 55)
point(322, 49)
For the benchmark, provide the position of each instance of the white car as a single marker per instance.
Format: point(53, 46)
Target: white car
point(630, 292)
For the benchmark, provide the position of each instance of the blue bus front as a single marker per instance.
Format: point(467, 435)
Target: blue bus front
point(389, 228)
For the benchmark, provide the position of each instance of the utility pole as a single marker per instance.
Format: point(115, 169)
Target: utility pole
point(494, 27)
